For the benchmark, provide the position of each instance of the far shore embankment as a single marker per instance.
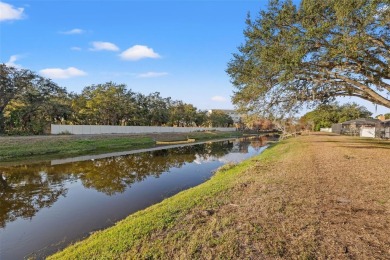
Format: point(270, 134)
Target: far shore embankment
point(45, 147)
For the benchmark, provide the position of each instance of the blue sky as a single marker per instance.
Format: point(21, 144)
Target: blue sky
point(178, 48)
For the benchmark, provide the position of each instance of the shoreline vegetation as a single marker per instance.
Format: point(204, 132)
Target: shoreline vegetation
point(38, 148)
point(313, 196)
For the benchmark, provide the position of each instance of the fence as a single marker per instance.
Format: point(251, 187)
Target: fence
point(109, 129)
point(328, 130)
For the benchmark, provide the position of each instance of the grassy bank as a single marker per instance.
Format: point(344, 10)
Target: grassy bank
point(299, 199)
point(30, 147)
point(64, 146)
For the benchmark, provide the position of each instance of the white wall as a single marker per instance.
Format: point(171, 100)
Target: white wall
point(108, 129)
point(329, 130)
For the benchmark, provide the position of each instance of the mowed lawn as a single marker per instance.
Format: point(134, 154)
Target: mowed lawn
point(315, 196)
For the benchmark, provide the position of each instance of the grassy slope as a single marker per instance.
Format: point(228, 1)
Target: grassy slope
point(67, 147)
point(299, 199)
point(61, 146)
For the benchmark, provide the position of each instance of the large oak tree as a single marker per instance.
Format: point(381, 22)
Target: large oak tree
point(313, 53)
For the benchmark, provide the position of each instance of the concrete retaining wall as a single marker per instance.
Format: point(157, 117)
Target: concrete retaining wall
point(108, 129)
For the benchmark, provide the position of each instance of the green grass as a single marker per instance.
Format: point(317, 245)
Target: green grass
point(137, 236)
point(65, 147)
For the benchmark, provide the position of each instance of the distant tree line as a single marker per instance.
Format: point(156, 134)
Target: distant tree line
point(323, 116)
point(327, 114)
point(29, 103)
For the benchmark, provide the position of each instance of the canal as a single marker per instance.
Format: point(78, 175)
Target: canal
point(46, 206)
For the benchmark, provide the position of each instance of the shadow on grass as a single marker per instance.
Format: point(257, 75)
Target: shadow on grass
point(328, 141)
point(324, 134)
point(353, 142)
point(365, 147)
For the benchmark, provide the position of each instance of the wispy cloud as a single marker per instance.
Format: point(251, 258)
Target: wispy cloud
point(75, 48)
point(138, 52)
point(152, 74)
point(8, 12)
point(219, 99)
point(12, 60)
point(104, 46)
point(74, 31)
point(57, 73)
point(381, 11)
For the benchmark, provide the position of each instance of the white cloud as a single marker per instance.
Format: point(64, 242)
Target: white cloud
point(75, 48)
point(74, 31)
point(12, 60)
point(138, 52)
point(381, 11)
point(219, 99)
point(57, 73)
point(104, 46)
point(8, 12)
point(383, 8)
point(152, 74)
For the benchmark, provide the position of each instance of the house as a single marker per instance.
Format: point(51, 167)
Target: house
point(364, 127)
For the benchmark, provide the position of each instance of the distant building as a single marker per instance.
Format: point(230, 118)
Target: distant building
point(230, 112)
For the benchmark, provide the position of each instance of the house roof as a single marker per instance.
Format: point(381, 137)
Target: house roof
point(386, 122)
point(362, 121)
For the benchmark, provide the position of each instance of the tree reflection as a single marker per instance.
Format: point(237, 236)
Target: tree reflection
point(24, 190)
point(24, 193)
point(113, 175)
point(259, 142)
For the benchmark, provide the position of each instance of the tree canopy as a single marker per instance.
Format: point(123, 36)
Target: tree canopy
point(218, 118)
point(313, 53)
point(29, 103)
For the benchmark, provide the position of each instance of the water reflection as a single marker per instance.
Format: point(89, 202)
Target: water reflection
point(26, 189)
point(113, 175)
point(24, 193)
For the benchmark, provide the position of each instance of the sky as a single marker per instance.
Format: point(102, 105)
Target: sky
point(178, 48)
